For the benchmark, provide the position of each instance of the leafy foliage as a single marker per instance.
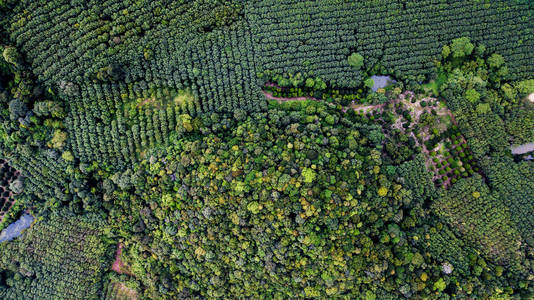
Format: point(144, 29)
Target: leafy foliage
point(151, 114)
point(308, 214)
point(63, 256)
point(356, 60)
point(490, 133)
point(482, 216)
point(10, 184)
point(403, 38)
point(461, 47)
point(253, 198)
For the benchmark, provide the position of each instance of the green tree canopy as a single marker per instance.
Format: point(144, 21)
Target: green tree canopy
point(461, 47)
point(356, 60)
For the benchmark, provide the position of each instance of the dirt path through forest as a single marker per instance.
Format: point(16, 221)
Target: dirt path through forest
point(119, 266)
point(117, 263)
point(366, 108)
point(357, 108)
point(281, 99)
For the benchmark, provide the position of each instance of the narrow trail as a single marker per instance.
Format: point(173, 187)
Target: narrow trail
point(119, 266)
point(281, 99)
point(366, 108)
point(117, 263)
point(354, 106)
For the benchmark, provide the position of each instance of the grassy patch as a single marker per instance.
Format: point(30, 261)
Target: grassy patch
point(434, 85)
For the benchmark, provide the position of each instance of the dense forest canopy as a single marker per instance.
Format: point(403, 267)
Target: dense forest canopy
point(267, 149)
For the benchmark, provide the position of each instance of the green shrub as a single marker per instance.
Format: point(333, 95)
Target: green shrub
point(356, 60)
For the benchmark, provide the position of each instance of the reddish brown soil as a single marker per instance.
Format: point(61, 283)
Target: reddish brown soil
point(147, 100)
point(118, 266)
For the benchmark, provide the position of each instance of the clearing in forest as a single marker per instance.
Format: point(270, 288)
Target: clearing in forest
point(433, 127)
point(119, 266)
point(118, 290)
point(442, 144)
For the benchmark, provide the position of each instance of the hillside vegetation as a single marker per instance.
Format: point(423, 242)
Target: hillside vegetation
point(242, 149)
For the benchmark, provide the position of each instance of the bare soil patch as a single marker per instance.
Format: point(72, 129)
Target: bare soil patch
point(123, 292)
point(280, 99)
point(146, 101)
point(118, 265)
